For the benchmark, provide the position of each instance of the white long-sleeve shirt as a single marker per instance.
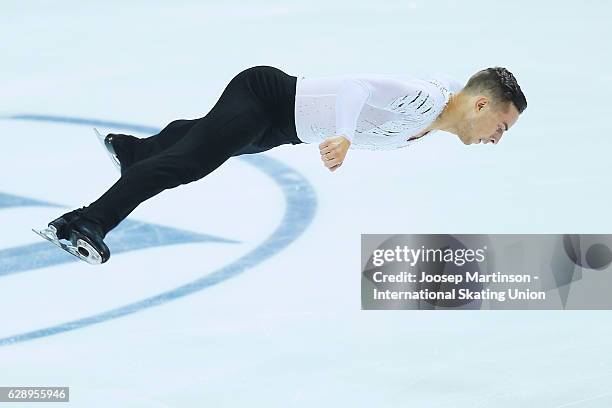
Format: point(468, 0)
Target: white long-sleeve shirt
point(373, 111)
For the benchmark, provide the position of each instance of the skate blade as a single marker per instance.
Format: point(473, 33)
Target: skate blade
point(82, 250)
point(114, 159)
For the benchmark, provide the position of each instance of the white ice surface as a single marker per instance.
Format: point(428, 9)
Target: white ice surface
point(289, 332)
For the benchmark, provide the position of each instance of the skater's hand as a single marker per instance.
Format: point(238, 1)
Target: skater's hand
point(333, 150)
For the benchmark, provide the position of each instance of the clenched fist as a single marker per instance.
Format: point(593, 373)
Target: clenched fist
point(333, 150)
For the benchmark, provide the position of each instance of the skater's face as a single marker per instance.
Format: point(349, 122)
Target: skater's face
point(486, 122)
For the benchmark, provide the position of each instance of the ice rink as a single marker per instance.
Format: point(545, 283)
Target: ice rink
point(243, 288)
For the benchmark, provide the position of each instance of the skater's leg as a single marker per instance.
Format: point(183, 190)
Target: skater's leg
point(172, 133)
point(131, 149)
point(234, 122)
point(282, 90)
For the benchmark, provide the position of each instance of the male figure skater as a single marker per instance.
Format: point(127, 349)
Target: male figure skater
point(263, 107)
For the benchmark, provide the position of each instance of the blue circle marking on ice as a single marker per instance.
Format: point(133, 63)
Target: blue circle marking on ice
point(300, 208)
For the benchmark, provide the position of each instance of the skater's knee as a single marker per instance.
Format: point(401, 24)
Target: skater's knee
point(190, 172)
point(182, 168)
point(167, 169)
point(177, 124)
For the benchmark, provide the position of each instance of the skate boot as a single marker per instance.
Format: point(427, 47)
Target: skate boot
point(110, 142)
point(78, 236)
point(87, 238)
point(57, 227)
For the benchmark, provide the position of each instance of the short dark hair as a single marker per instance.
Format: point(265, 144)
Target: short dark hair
point(500, 84)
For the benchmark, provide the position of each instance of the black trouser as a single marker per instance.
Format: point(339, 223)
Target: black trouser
point(254, 113)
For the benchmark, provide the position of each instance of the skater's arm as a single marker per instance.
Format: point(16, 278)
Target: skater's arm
point(382, 91)
point(405, 95)
point(398, 94)
point(352, 95)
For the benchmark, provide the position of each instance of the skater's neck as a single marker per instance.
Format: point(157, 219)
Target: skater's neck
point(452, 115)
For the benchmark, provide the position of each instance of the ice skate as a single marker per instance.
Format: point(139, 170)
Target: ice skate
point(58, 225)
point(83, 238)
point(107, 142)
